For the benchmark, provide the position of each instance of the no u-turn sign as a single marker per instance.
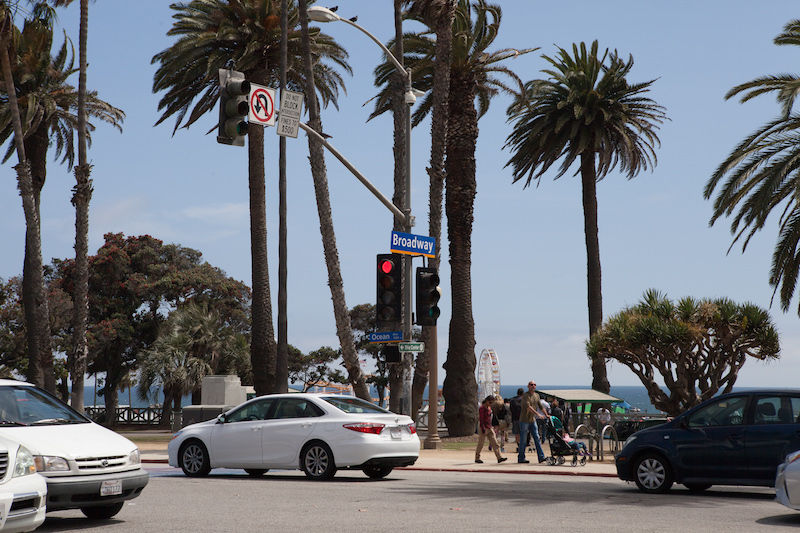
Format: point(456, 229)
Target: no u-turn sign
point(262, 105)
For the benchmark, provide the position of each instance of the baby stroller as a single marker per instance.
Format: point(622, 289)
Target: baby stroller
point(559, 448)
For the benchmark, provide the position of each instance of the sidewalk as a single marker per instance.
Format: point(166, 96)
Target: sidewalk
point(462, 460)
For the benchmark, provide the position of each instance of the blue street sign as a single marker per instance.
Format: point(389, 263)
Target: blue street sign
point(405, 243)
point(386, 336)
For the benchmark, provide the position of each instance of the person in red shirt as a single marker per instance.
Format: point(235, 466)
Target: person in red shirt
point(486, 431)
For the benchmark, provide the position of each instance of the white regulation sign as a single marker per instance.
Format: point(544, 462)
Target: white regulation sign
point(262, 105)
point(289, 116)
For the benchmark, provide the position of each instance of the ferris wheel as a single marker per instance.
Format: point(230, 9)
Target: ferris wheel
point(488, 374)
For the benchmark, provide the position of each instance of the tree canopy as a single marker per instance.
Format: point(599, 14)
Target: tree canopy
point(697, 347)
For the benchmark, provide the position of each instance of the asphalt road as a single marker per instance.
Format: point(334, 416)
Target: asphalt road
point(428, 501)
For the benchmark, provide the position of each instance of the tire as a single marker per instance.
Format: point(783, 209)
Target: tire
point(317, 461)
point(697, 487)
point(193, 459)
point(256, 472)
point(378, 472)
point(102, 512)
point(652, 473)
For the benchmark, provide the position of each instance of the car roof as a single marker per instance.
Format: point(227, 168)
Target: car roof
point(15, 382)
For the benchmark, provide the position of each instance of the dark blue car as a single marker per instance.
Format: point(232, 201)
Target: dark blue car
point(733, 439)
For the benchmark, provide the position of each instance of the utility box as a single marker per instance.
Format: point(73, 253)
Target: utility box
point(222, 390)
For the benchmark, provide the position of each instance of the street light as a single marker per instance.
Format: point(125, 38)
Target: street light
point(323, 14)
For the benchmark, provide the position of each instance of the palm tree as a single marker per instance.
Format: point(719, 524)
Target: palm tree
point(473, 79)
point(243, 35)
point(37, 315)
point(760, 174)
point(82, 195)
point(438, 16)
point(48, 104)
point(587, 111)
point(317, 157)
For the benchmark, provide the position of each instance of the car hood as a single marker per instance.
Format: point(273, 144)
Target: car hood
point(70, 441)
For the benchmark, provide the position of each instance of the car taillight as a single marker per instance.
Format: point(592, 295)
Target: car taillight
point(412, 428)
point(366, 427)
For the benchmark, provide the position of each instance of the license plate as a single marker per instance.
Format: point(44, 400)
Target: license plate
point(111, 488)
point(396, 433)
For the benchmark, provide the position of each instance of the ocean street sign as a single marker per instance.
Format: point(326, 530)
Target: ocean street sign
point(405, 243)
point(386, 336)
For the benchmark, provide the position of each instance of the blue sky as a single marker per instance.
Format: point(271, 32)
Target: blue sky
point(529, 258)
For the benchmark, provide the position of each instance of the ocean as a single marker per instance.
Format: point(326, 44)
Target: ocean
point(635, 395)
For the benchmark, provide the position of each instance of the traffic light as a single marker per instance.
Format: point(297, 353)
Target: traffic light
point(428, 294)
point(390, 290)
point(391, 354)
point(234, 93)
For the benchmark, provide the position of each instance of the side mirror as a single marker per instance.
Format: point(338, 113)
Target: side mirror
point(221, 419)
point(684, 423)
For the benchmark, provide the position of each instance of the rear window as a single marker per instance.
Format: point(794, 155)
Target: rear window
point(29, 406)
point(353, 405)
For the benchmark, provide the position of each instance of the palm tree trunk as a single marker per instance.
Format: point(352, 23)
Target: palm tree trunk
point(262, 346)
point(595, 293)
point(81, 196)
point(460, 390)
point(318, 172)
point(440, 91)
point(40, 366)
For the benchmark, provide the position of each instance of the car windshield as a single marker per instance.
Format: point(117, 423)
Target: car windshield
point(353, 405)
point(29, 406)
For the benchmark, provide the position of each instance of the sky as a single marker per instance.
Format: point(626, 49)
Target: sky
point(529, 255)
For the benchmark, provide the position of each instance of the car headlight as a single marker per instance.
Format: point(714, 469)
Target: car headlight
point(629, 440)
point(134, 458)
point(792, 457)
point(25, 464)
point(47, 463)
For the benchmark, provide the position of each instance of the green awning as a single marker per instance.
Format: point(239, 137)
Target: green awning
point(580, 396)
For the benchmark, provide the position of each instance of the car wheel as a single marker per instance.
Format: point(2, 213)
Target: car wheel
point(378, 472)
point(193, 459)
point(317, 461)
point(256, 472)
point(697, 487)
point(652, 473)
point(102, 512)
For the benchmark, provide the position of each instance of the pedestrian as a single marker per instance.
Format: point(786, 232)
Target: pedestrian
point(516, 408)
point(532, 411)
point(542, 422)
point(497, 402)
point(567, 415)
point(603, 418)
point(486, 431)
point(503, 414)
point(555, 410)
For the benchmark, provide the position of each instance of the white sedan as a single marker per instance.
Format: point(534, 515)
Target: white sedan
point(23, 492)
point(787, 481)
point(316, 433)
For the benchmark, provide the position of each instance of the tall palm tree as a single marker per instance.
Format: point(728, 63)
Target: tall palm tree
point(760, 174)
point(586, 111)
point(48, 107)
point(438, 16)
point(81, 196)
point(37, 315)
point(317, 157)
point(243, 35)
point(473, 80)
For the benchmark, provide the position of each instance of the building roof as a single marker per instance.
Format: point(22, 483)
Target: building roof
point(580, 395)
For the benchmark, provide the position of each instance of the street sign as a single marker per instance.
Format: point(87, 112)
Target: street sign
point(406, 243)
point(411, 347)
point(289, 116)
point(262, 105)
point(386, 336)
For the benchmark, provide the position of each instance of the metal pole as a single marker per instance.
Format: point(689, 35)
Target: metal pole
point(408, 358)
point(432, 441)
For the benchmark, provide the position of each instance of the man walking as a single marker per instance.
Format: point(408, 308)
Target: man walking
point(486, 431)
point(531, 411)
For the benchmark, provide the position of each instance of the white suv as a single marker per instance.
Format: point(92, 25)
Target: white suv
point(87, 466)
